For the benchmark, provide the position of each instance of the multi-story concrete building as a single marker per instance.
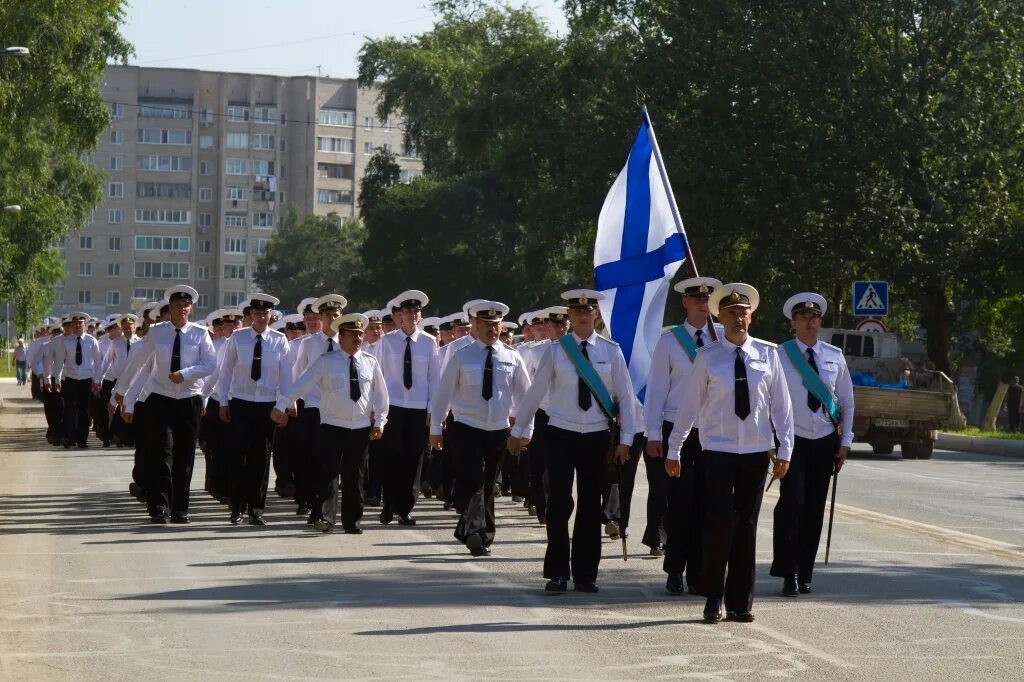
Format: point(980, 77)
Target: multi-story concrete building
point(201, 168)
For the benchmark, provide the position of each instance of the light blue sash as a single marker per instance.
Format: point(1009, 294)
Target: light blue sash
point(589, 375)
point(812, 382)
point(685, 341)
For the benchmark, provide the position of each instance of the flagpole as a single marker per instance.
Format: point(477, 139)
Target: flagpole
point(672, 203)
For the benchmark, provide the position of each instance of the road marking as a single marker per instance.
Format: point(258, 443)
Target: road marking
point(959, 482)
point(974, 611)
point(797, 644)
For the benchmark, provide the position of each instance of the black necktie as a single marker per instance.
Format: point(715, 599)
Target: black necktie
point(78, 351)
point(700, 338)
point(407, 364)
point(176, 352)
point(488, 389)
point(257, 359)
point(127, 345)
point(583, 391)
point(742, 391)
point(330, 344)
point(813, 404)
point(353, 380)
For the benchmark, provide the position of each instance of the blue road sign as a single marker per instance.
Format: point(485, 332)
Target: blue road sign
point(870, 299)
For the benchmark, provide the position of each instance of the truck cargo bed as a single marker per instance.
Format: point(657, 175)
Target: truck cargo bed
point(901, 404)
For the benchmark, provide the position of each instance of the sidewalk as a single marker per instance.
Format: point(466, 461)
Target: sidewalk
point(1004, 447)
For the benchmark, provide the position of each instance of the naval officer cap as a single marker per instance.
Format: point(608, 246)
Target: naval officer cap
point(278, 325)
point(262, 302)
point(306, 305)
point(353, 322)
point(698, 287)
point(733, 295)
point(329, 303)
point(491, 311)
point(57, 325)
point(509, 325)
point(430, 323)
point(558, 314)
point(445, 324)
point(129, 318)
point(231, 315)
point(374, 316)
point(111, 321)
point(181, 292)
point(460, 320)
point(213, 319)
point(292, 321)
point(806, 301)
point(78, 316)
point(582, 299)
point(412, 298)
point(158, 307)
point(467, 307)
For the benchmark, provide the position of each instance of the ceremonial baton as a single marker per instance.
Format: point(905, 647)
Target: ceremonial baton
point(832, 511)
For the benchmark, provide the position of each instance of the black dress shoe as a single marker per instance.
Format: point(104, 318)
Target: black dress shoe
point(713, 611)
point(387, 514)
point(674, 583)
point(805, 588)
point(312, 518)
point(257, 520)
point(542, 519)
point(658, 550)
point(691, 588)
point(354, 530)
point(236, 517)
point(739, 616)
point(372, 502)
point(789, 588)
point(585, 587)
point(160, 518)
point(406, 520)
point(475, 545)
point(323, 525)
point(612, 530)
point(179, 517)
point(427, 491)
point(557, 585)
point(303, 510)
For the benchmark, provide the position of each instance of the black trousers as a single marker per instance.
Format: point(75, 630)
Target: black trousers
point(684, 515)
point(374, 469)
point(341, 459)
point(249, 454)
point(285, 440)
point(304, 460)
point(733, 488)
point(76, 409)
point(800, 511)
point(619, 480)
point(481, 456)
point(655, 533)
point(103, 421)
point(174, 424)
point(404, 436)
point(36, 387)
point(537, 461)
point(433, 468)
point(143, 431)
point(212, 439)
point(1013, 418)
point(53, 410)
point(583, 456)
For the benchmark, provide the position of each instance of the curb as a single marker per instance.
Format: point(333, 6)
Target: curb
point(1004, 447)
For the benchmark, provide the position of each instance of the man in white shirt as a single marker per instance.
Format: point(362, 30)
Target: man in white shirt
point(53, 400)
point(818, 450)
point(374, 480)
point(98, 402)
point(408, 360)
point(284, 437)
point(674, 492)
point(76, 364)
point(114, 362)
point(738, 395)
point(251, 375)
point(579, 437)
point(481, 385)
point(353, 409)
point(34, 359)
point(182, 357)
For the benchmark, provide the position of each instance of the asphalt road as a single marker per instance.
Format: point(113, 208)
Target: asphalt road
point(925, 581)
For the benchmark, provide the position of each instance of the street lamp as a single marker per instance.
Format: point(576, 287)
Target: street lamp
point(13, 208)
point(15, 51)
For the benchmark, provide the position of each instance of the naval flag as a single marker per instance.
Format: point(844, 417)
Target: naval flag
point(640, 245)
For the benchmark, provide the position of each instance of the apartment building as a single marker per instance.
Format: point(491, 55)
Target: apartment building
point(201, 167)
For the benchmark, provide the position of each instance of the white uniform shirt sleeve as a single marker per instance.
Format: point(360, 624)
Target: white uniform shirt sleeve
point(781, 408)
point(657, 388)
point(694, 396)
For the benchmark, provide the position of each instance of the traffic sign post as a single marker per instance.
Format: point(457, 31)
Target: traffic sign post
point(870, 299)
point(872, 325)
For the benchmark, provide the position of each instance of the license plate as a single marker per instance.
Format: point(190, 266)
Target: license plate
point(892, 423)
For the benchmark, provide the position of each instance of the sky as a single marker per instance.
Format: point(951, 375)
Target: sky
point(283, 37)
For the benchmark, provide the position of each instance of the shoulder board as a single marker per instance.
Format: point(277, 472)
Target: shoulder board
point(607, 340)
point(766, 344)
point(831, 347)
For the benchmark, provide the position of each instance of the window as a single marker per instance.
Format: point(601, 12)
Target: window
point(85, 269)
point(337, 117)
point(115, 190)
point(263, 141)
point(116, 137)
point(203, 272)
point(333, 196)
point(153, 109)
point(113, 269)
point(206, 116)
point(85, 243)
point(262, 167)
point(116, 110)
point(409, 152)
point(386, 147)
point(259, 246)
point(85, 297)
point(157, 243)
point(368, 148)
point(385, 126)
point(204, 301)
point(368, 123)
point(234, 272)
point(203, 246)
point(113, 298)
point(161, 270)
point(237, 167)
point(264, 115)
point(205, 194)
point(238, 141)
point(92, 217)
point(114, 243)
point(236, 220)
point(263, 219)
point(167, 190)
point(148, 294)
point(163, 216)
point(164, 136)
point(335, 144)
point(407, 176)
point(116, 163)
point(114, 216)
point(238, 113)
point(163, 163)
point(262, 195)
point(237, 193)
point(205, 220)
point(232, 245)
point(206, 141)
point(333, 170)
point(234, 298)
point(284, 146)
point(205, 168)
point(280, 196)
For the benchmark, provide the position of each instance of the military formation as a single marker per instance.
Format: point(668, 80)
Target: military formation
point(379, 409)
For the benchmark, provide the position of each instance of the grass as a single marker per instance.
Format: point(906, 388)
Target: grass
point(974, 431)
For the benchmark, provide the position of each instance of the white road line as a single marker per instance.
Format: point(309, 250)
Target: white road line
point(974, 611)
point(800, 646)
point(959, 482)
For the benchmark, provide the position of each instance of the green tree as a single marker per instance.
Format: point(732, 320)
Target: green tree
point(382, 173)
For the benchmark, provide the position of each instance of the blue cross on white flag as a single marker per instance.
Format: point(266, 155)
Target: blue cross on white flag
point(638, 250)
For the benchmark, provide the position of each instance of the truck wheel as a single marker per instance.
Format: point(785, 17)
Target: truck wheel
point(909, 450)
point(882, 448)
point(924, 449)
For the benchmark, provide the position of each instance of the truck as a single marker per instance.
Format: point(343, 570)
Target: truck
point(894, 403)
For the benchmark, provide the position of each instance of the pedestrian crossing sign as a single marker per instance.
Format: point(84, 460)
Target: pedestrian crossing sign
point(870, 299)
